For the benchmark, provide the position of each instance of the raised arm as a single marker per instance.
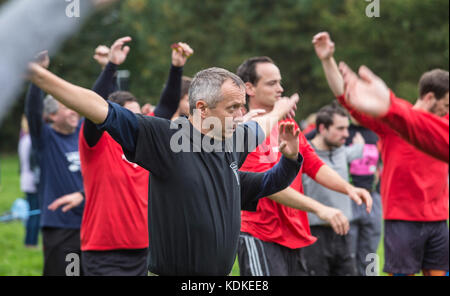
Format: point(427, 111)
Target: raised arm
point(425, 131)
point(170, 97)
point(325, 48)
point(34, 102)
point(84, 101)
point(33, 111)
point(369, 94)
point(105, 84)
point(283, 108)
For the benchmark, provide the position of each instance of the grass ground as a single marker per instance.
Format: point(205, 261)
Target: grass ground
point(15, 259)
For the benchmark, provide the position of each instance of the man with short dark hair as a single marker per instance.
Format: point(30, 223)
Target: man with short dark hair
point(279, 232)
point(331, 254)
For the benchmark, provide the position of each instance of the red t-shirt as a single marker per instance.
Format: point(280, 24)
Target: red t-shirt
point(418, 127)
point(115, 212)
point(273, 222)
point(414, 185)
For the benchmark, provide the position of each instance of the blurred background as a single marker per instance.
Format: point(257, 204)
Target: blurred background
point(409, 38)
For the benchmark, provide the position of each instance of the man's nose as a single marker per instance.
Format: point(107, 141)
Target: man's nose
point(280, 88)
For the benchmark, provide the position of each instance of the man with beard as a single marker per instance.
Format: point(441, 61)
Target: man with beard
point(331, 254)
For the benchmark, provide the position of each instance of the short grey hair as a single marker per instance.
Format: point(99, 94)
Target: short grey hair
point(51, 105)
point(207, 86)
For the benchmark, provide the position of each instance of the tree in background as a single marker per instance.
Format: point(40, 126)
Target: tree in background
point(409, 38)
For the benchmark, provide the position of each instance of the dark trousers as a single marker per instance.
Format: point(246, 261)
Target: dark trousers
point(260, 258)
point(115, 262)
point(62, 253)
point(32, 227)
point(331, 255)
point(410, 247)
point(365, 233)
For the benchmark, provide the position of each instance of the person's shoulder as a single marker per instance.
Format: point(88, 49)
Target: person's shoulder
point(405, 103)
point(150, 119)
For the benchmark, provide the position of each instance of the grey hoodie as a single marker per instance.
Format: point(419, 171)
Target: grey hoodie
point(337, 159)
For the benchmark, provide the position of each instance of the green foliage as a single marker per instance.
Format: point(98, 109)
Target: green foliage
point(409, 38)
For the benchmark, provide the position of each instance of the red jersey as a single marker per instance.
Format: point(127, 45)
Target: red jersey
point(115, 212)
point(273, 222)
point(414, 185)
point(418, 127)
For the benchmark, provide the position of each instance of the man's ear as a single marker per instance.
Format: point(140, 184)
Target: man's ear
point(429, 98)
point(50, 118)
point(202, 107)
point(249, 89)
point(320, 128)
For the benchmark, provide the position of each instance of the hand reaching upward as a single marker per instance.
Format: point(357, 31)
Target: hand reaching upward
point(102, 55)
point(180, 53)
point(118, 53)
point(288, 140)
point(323, 45)
point(366, 93)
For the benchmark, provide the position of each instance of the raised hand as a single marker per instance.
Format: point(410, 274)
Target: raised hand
point(288, 141)
point(102, 55)
point(323, 45)
point(252, 114)
point(180, 53)
point(285, 107)
point(366, 93)
point(118, 53)
point(43, 59)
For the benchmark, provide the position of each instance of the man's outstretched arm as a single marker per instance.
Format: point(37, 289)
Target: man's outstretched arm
point(84, 101)
point(425, 131)
point(369, 94)
point(330, 179)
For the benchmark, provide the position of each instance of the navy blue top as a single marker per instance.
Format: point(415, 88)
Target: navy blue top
point(195, 198)
point(59, 162)
point(106, 85)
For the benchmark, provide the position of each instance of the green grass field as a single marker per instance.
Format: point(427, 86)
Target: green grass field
point(15, 259)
